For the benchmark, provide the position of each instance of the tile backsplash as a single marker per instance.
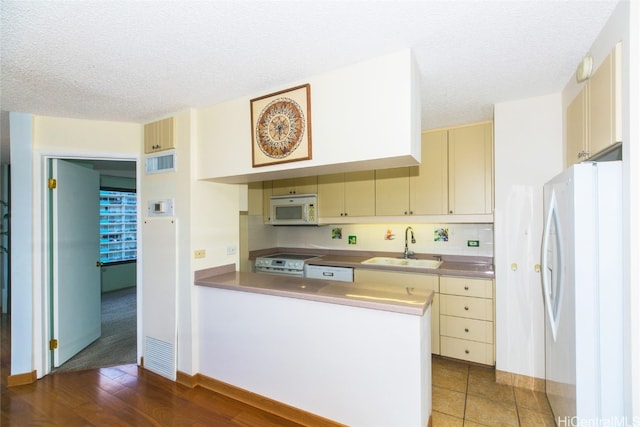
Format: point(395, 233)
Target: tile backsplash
point(446, 239)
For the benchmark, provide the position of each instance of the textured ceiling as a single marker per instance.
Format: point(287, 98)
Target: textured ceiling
point(140, 60)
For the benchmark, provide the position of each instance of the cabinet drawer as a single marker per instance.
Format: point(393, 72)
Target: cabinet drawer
point(472, 308)
point(472, 351)
point(465, 286)
point(468, 329)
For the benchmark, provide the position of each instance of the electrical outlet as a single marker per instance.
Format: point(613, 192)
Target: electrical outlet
point(232, 249)
point(199, 253)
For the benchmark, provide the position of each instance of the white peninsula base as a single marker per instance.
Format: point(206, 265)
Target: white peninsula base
point(354, 365)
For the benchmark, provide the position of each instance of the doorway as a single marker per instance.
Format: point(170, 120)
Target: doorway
point(118, 299)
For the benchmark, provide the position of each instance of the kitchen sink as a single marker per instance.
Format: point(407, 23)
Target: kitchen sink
point(401, 262)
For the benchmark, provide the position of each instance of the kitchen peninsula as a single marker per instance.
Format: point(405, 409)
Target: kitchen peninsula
point(360, 357)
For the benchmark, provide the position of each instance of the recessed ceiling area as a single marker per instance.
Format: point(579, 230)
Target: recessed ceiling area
point(139, 61)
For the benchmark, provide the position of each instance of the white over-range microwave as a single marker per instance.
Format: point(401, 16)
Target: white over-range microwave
point(298, 209)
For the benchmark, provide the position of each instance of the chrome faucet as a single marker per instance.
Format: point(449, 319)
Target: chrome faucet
point(407, 253)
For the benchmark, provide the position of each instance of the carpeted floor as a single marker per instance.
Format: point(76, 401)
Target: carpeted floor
point(117, 345)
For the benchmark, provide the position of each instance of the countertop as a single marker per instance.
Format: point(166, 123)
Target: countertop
point(453, 265)
point(448, 268)
point(314, 290)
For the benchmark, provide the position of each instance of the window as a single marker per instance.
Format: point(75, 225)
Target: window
point(117, 226)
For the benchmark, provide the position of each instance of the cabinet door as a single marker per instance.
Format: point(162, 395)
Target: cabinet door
point(255, 193)
point(158, 136)
point(151, 137)
point(392, 191)
point(267, 192)
point(603, 104)
point(471, 169)
point(303, 185)
point(331, 195)
point(428, 183)
point(359, 193)
point(576, 129)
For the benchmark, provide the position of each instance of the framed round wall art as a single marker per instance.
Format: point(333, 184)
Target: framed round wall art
point(281, 126)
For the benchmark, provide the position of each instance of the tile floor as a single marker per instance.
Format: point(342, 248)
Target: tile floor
point(468, 395)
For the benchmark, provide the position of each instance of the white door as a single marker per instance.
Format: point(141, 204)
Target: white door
point(75, 248)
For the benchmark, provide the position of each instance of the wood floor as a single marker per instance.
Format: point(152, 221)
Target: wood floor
point(117, 396)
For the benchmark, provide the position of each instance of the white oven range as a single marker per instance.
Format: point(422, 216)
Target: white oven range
point(282, 264)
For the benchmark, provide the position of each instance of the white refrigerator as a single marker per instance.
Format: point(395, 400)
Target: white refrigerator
point(582, 289)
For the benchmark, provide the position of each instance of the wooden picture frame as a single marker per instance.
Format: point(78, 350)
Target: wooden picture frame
point(281, 126)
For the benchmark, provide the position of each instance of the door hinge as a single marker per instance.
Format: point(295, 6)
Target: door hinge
point(53, 344)
point(52, 183)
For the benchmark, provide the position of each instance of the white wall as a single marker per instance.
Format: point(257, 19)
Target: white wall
point(207, 218)
point(528, 152)
point(356, 112)
point(22, 249)
point(632, 154)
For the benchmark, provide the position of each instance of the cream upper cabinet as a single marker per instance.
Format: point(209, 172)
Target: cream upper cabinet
point(594, 117)
point(346, 194)
point(158, 136)
point(267, 192)
point(429, 185)
point(605, 118)
point(303, 185)
point(471, 169)
point(255, 194)
point(392, 191)
point(455, 177)
point(576, 148)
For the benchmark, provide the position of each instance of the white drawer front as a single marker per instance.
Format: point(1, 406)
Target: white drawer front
point(472, 308)
point(465, 286)
point(472, 351)
point(468, 329)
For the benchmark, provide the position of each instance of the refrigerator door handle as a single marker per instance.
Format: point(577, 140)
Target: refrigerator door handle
point(552, 271)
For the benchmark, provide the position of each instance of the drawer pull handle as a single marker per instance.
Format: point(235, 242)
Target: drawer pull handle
point(466, 308)
point(466, 351)
point(466, 287)
point(466, 329)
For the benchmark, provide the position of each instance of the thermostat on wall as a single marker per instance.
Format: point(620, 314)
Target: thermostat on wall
point(162, 207)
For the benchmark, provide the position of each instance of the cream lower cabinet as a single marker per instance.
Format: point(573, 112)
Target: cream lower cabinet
point(467, 329)
point(418, 284)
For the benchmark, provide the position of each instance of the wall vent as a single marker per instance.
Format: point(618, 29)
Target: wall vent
point(161, 163)
point(159, 357)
